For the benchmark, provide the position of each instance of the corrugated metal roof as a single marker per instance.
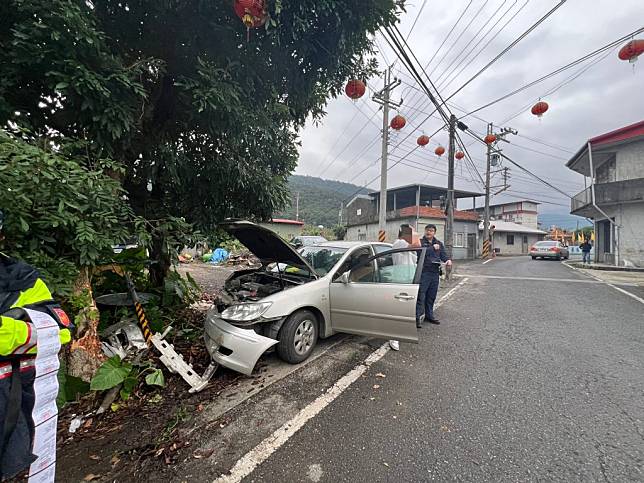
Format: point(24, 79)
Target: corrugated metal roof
point(509, 227)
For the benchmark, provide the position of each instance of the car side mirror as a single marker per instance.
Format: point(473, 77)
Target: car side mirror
point(344, 278)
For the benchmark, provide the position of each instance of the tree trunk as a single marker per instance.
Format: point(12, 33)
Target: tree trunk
point(161, 261)
point(85, 355)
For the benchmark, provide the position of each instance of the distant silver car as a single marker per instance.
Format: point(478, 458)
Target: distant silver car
point(295, 297)
point(307, 240)
point(549, 249)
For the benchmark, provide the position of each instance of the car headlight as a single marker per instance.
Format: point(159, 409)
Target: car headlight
point(245, 312)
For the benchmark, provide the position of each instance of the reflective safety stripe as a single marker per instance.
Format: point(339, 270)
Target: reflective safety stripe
point(30, 341)
point(25, 365)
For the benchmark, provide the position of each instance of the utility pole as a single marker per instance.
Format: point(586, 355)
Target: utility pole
point(449, 225)
point(486, 212)
point(297, 206)
point(383, 97)
point(487, 246)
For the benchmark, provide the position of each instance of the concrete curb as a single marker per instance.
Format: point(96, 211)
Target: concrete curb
point(584, 266)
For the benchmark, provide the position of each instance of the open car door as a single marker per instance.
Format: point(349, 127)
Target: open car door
point(377, 297)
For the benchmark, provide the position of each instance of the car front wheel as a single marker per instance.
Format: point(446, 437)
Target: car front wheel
point(298, 337)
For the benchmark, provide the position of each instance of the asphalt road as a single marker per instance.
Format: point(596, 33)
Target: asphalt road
point(536, 373)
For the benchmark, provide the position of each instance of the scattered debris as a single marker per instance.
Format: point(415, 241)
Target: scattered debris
point(122, 339)
point(376, 386)
point(381, 375)
point(75, 424)
point(91, 477)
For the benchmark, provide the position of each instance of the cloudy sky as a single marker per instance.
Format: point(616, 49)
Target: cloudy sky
point(595, 97)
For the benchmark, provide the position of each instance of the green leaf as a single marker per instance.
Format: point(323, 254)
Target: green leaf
point(155, 378)
point(61, 85)
point(112, 373)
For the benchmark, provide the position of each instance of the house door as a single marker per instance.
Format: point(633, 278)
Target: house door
point(471, 246)
point(524, 244)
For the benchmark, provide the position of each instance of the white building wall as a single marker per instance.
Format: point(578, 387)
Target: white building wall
point(631, 233)
point(629, 161)
point(500, 243)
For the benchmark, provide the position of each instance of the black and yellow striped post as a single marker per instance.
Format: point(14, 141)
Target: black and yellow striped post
point(382, 236)
point(143, 322)
point(486, 249)
point(140, 313)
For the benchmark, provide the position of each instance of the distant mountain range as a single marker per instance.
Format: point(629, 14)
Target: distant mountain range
point(320, 201)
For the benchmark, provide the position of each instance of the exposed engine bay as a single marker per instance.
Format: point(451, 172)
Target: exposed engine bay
point(254, 285)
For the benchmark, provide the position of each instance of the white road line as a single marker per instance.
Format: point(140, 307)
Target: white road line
point(260, 453)
point(488, 261)
point(625, 292)
point(544, 279)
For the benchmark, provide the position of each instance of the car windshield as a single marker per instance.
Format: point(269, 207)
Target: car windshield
point(322, 259)
point(546, 244)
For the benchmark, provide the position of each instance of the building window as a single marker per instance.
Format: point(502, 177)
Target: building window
point(362, 236)
point(459, 239)
point(510, 240)
point(359, 212)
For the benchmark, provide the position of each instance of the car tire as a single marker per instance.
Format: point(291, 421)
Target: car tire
point(558, 258)
point(298, 337)
point(534, 258)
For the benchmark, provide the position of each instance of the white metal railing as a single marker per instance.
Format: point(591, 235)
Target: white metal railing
point(581, 199)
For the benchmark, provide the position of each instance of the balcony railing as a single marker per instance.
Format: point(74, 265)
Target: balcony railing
point(625, 191)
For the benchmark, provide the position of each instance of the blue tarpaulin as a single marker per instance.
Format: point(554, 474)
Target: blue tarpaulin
point(219, 255)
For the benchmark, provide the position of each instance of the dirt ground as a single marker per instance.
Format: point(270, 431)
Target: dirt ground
point(144, 432)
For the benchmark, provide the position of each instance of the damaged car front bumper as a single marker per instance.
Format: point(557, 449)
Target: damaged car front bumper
point(234, 347)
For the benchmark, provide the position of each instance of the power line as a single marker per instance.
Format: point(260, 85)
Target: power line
point(480, 51)
point(416, 19)
point(524, 169)
point(509, 47)
point(458, 56)
point(557, 71)
point(445, 39)
point(564, 83)
point(474, 17)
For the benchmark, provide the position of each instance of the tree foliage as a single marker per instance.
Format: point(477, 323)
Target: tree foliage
point(204, 122)
point(320, 199)
point(60, 214)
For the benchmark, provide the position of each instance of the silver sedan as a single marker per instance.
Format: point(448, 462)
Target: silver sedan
point(549, 249)
point(296, 297)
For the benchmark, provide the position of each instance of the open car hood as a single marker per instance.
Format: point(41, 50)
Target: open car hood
point(265, 244)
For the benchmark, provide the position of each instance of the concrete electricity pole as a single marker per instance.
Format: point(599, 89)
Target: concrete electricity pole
point(383, 97)
point(490, 152)
point(297, 206)
point(449, 224)
point(486, 213)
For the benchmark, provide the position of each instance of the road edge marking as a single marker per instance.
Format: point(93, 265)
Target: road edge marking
point(487, 261)
point(625, 292)
point(260, 453)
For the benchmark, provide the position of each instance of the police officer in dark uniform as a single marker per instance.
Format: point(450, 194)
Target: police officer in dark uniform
point(430, 276)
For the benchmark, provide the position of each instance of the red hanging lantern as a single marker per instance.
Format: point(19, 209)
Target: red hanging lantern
point(439, 151)
point(251, 12)
point(632, 50)
point(489, 139)
point(398, 122)
point(355, 89)
point(539, 108)
point(423, 140)
point(459, 155)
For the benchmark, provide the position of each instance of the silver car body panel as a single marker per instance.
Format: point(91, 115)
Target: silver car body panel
point(385, 310)
point(245, 346)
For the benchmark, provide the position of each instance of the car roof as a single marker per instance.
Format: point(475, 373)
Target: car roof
point(349, 244)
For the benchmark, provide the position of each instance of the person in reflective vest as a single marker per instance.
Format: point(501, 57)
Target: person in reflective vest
point(20, 287)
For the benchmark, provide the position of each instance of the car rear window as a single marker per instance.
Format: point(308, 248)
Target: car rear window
point(546, 244)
